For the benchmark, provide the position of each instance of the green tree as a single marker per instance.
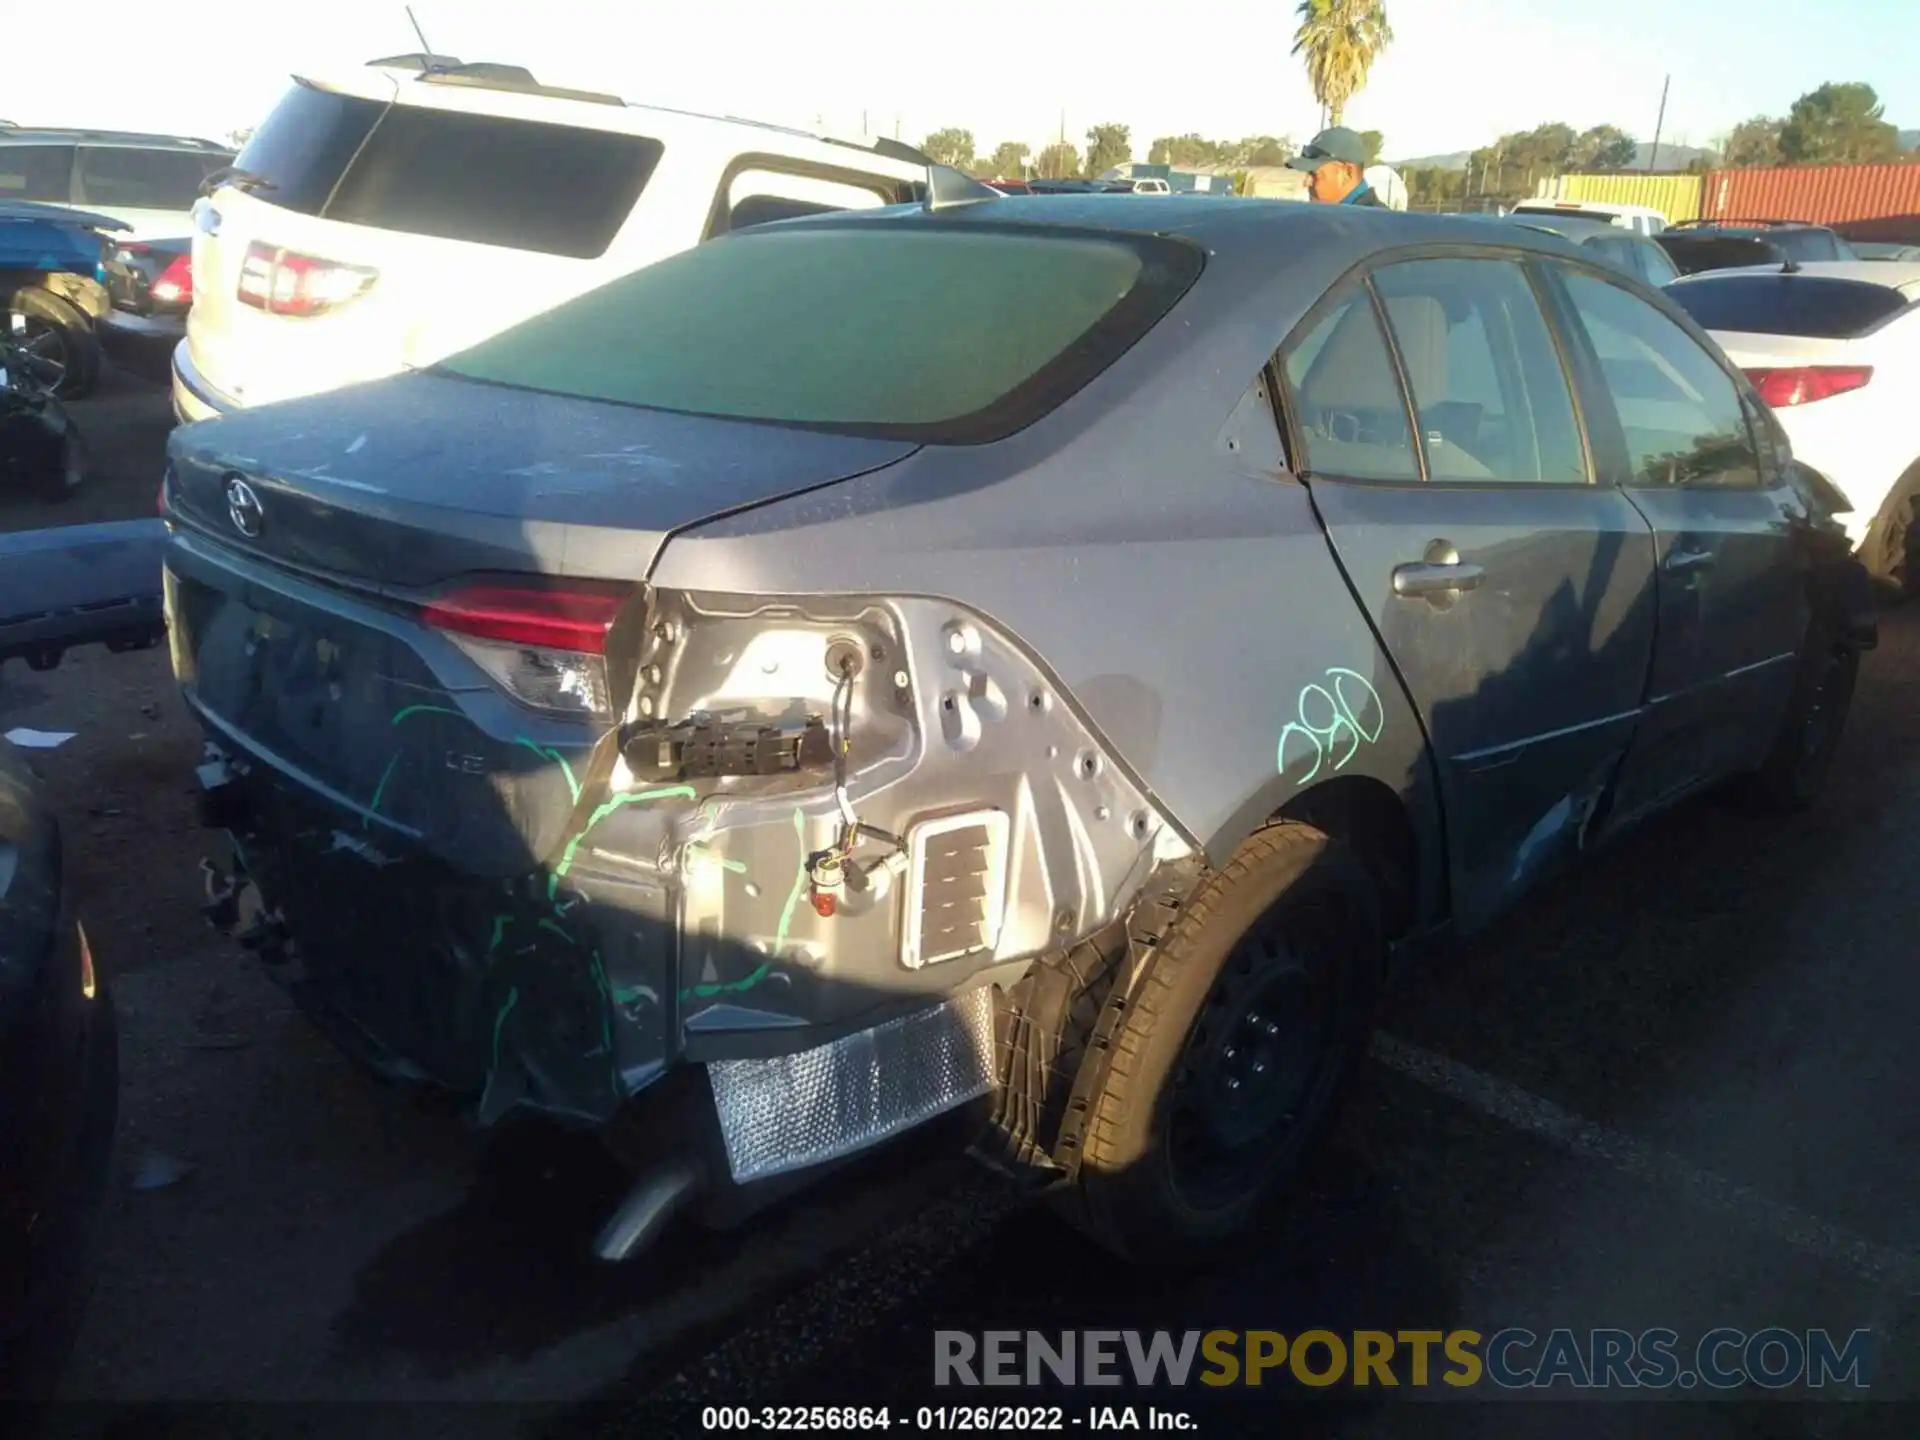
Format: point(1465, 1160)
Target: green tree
point(952, 146)
point(1108, 146)
point(1340, 40)
point(1374, 141)
point(1059, 161)
point(1604, 147)
point(1838, 124)
point(1008, 161)
point(1753, 143)
point(1267, 150)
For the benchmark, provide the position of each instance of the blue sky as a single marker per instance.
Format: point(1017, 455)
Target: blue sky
point(1459, 72)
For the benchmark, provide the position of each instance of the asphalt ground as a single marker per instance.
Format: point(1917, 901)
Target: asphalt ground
point(1676, 1090)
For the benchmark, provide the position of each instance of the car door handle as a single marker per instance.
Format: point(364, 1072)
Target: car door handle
point(1680, 562)
point(1436, 578)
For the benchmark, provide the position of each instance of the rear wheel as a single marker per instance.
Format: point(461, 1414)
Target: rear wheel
point(59, 351)
point(1227, 1069)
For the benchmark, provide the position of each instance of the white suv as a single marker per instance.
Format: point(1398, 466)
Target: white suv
point(386, 219)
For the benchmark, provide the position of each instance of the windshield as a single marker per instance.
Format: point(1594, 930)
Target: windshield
point(944, 333)
point(1811, 306)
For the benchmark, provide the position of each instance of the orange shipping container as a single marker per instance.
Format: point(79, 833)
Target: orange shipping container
point(1819, 194)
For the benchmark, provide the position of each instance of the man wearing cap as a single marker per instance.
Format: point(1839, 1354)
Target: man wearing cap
point(1336, 162)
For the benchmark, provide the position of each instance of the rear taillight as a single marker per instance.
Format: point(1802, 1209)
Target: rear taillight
point(1804, 384)
point(546, 645)
point(285, 282)
point(175, 283)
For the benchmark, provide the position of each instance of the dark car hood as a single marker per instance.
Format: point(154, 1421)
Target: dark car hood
point(412, 479)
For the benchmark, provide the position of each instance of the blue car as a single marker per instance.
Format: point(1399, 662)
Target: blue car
point(1048, 653)
point(52, 280)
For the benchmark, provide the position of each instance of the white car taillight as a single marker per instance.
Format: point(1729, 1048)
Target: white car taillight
point(285, 282)
point(544, 644)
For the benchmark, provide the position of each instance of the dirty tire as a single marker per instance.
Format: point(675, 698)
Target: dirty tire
point(1292, 923)
point(1796, 769)
point(68, 335)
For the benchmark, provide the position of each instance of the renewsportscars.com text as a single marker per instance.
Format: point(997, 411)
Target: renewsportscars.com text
point(1511, 1359)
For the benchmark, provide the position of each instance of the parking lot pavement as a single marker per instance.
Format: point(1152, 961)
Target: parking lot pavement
point(1672, 1091)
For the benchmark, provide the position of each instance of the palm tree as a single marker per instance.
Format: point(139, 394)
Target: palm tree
point(1341, 40)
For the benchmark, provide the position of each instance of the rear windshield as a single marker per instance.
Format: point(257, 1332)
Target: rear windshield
point(555, 189)
point(1815, 307)
point(946, 334)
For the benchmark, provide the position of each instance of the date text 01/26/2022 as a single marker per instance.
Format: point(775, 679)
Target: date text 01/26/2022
point(976, 1419)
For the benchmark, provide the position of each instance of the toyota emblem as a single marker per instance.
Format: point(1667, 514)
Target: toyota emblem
point(243, 508)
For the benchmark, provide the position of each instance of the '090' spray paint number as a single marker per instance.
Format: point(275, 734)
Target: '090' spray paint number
point(1333, 719)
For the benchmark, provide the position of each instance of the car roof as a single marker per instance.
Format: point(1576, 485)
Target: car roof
point(1901, 275)
point(1266, 231)
point(473, 95)
point(124, 139)
point(1574, 227)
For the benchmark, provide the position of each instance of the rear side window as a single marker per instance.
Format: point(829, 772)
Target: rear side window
point(303, 148)
point(1351, 410)
point(1486, 378)
point(1816, 307)
point(36, 172)
point(948, 334)
point(555, 189)
point(145, 179)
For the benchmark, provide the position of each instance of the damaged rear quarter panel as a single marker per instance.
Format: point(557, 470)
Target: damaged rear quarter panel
point(1179, 587)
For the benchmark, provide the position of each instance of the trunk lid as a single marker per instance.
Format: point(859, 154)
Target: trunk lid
point(409, 481)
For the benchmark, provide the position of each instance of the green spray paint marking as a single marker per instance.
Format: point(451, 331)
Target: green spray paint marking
point(499, 1024)
point(739, 867)
point(400, 715)
point(557, 930)
point(799, 883)
point(549, 753)
point(373, 805)
point(500, 923)
point(729, 987)
point(566, 855)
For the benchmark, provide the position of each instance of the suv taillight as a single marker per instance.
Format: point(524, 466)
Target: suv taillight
point(1804, 384)
point(544, 643)
point(285, 282)
point(174, 284)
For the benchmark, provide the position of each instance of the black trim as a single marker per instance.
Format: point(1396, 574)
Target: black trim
point(1409, 403)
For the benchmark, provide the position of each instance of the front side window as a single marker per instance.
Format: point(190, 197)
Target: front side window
point(1351, 411)
point(1681, 412)
point(1486, 377)
point(949, 334)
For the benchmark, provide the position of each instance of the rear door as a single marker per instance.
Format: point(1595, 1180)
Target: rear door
point(407, 231)
point(1732, 607)
point(1513, 593)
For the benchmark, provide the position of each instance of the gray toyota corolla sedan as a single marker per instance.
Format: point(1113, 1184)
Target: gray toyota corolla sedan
point(1040, 657)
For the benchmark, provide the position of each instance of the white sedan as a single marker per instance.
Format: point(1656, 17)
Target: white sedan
point(1834, 348)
